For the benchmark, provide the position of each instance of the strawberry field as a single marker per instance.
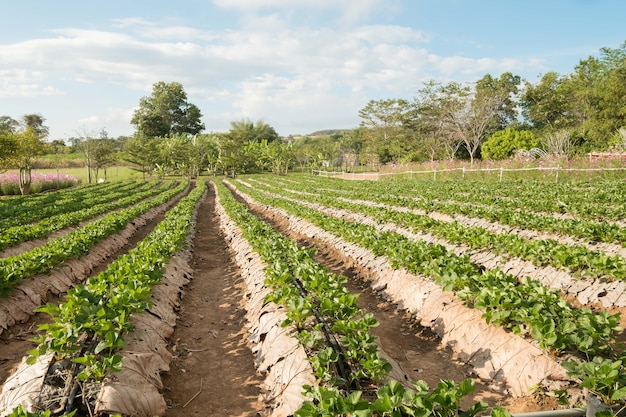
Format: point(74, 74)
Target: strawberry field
point(517, 286)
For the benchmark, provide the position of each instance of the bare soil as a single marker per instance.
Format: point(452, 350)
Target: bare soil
point(213, 372)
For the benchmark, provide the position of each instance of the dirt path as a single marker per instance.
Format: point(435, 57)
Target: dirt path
point(213, 372)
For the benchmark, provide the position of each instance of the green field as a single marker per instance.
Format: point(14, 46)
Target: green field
point(116, 173)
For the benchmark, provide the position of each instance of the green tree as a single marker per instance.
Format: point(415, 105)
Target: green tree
point(29, 146)
point(143, 152)
point(506, 89)
point(384, 117)
point(599, 85)
point(36, 123)
point(248, 131)
point(20, 147)
point(239, 148)
point(174, 155)
point(99, 152)
point(503, 143)
point(58, 146)
point(432, 117)
point(202, 149)
point(550, 105)
point(167, 112)
point(303, 151)
point(383, 127)
point(9, 146)
point(277, 156)
point(104, 156)
point(8, 125)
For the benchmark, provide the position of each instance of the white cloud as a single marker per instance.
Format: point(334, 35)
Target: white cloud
point(293, 76)
point(113, 120)
point(22, 82)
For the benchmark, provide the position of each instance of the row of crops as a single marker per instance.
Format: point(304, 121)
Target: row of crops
point(349, 375)
point(91, 355)
point(524, 281)
point(584, 340)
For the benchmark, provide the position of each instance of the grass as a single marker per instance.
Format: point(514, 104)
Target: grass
point(115, 173)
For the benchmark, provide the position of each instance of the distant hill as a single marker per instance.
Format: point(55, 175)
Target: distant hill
point(327, 132)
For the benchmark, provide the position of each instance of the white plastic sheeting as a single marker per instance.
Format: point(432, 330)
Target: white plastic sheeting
point(278, 355)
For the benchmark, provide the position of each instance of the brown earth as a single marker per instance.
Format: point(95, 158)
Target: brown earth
point(213, 372)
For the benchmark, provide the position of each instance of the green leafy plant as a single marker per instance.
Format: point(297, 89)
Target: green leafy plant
point(20, 412)
point(604, 378)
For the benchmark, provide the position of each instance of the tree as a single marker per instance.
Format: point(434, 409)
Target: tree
point(36, 123)
point(19, 145)
point(8, 125)
point(469, 115)
point(239, 148)
point(249, 131)
point(9, 145)
point(432, 118)
point(203, 149)
point(58, 146)
point(104, 156)
point(167, 112)
point(185, 154)
point(29, 146)
point(502, 144)
point(303, 151)
point(384, 117)
point(99, 152)
point(277, 155)
point(506, 88)
point(599, 87)
point(550, 106)
point(143, 152)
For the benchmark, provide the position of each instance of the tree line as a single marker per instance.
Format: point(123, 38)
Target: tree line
point(491, 118)
point(562, 114)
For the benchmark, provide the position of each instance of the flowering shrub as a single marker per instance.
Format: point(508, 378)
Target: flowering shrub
point(10, 182)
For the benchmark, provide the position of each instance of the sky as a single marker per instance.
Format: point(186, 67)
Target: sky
point(297, 65)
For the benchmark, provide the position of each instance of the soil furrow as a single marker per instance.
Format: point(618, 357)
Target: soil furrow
point(212, 372)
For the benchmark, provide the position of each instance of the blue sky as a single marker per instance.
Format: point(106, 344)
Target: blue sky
point(298, 65)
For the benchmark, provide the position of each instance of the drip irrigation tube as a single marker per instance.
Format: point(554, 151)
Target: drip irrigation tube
point(571, 412)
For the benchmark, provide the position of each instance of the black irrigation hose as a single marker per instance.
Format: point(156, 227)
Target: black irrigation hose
point(72, 385)
point(330, 338)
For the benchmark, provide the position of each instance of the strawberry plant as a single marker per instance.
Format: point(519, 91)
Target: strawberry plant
point(73, 216)
point(54, 253)
point(88, 327)
point(522, 306)
point(604, 378)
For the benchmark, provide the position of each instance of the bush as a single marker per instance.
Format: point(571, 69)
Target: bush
point(503, 143)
